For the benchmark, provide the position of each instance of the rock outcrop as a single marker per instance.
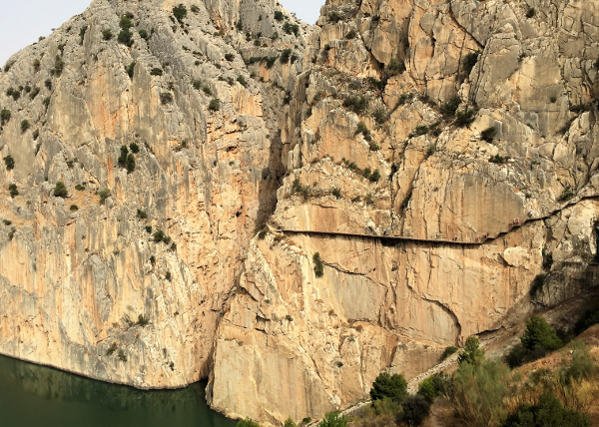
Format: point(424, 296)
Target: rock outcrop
point(214, 189)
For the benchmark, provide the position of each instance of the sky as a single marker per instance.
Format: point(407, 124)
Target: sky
point(16, 32)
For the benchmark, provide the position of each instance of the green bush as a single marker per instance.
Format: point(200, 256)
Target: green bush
point(214, 104)
point(356, 103)
point(4, 116)
point(74, 208)
point(448, 350)
point(143, 34)
point(478, 390)
point(125, 37)
point(103, 194)
point(318, 266)
point(9, 162)
point(582, 365)
point(434, 386)
point(156, 71)
point(24, 126)
point(285, 55)
point(414, 410)
point(464, 118)
point(247, 423)
point(122, 160)
point(12, 189)
point(393, 387)
point(472, 352)
point(279, 15)
point(58, 66)
point(106, 34)
point(395, 67)
point(289, 423)
point(130, 166)
point(547, 412)
point(539, 339)
point(166, 98)
point(333, 419)
point(180, 13)
point(291, 28)
point(450, 107)
point(60, 190)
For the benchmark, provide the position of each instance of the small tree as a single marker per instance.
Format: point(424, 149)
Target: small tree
point(333, 419)
point(247, 423)
point(318, 266)
point(393, 387)
point(14, 192)
point(472, 353)
point(180, 13)
point(60, 190)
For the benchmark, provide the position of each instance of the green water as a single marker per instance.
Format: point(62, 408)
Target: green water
point(32, 396)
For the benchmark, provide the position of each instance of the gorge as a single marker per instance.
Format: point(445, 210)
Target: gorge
point(216, 190)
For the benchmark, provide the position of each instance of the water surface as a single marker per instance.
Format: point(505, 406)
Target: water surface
point(32, 396)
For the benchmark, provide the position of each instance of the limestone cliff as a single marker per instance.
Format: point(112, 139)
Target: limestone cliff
point(289, 209)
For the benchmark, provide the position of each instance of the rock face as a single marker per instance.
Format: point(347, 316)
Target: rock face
point(289, 210)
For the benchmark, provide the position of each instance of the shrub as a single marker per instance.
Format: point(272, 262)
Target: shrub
point(333, 419)
point(539, 339)
point(180, 13)
point(318, 266)
point(122, 160)
point(448, 352)
point(395, 67)
point(450, 107)
point(356, 103)
point(60, 190)
point(24, 126)
point(291, 28)
point(488, 134)
point(285, 55)
point(581, 366)
point(374, 176)
point(156, 71)
point(478, 390)
point(229, 57)
point(103, 194)
point(12, 189)
point(36, 65)
point(130, 163)
point(166, 98)
point(419, 131)
point(4, 116)
point(134, 148)
point(9, 162)
point(214, 104)
point(143, 34)
point(247, 423)
point(498, 159)
point(415, 410)
point(472, 352)
point(125, 37)
point(531, 12)
point(279, 15)
point(241, 80)
point(58, 66)
point(106, 34)
point(289, 423)
point(380, 115)
point(465, 117)
point(74, 208)
point(393, 387)
point(434, 386)
point(547, 412)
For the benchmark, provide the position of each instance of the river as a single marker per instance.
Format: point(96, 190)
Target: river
point(32, 396)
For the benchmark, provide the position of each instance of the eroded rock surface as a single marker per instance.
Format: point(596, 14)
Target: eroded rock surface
point(286, 209)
